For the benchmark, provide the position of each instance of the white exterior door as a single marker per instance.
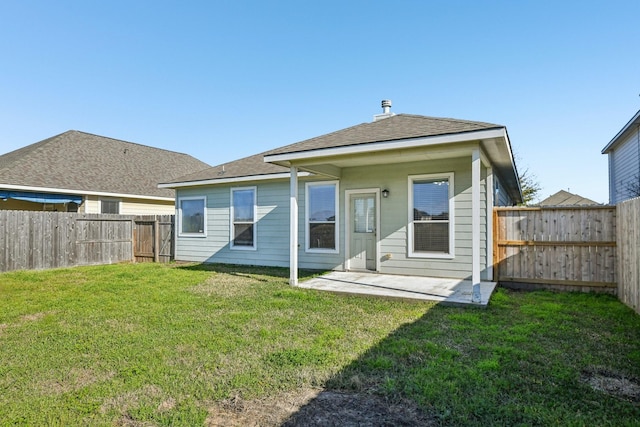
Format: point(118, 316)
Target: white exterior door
point(362, 230)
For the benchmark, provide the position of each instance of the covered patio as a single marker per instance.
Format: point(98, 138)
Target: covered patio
point(444, 291)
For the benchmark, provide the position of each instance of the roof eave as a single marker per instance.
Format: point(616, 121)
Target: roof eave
point(510, 174)
point(218, 181)
point(517, 197)
point(634, 120)
point(284, 159)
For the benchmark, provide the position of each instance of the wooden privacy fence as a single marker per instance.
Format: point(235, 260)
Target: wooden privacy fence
point(628, 226)
point(40, 240)
point(561, 246)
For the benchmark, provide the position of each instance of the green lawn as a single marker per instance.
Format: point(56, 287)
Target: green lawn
point(152, 344)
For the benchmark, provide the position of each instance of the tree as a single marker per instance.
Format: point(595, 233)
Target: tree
point(530, 186)
point(633, 186)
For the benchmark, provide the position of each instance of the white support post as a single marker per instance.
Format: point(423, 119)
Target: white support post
point(293, 228)
point(489, 190)
point(475, 225)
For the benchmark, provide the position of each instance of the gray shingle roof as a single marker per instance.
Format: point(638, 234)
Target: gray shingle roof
point(81, 161)
point(400, 126)
point(397, 127)
point(564, 198)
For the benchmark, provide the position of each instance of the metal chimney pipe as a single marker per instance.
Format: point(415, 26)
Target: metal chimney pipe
point(386, 106)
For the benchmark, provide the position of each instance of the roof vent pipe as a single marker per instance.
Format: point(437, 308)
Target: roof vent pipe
point(386, 111)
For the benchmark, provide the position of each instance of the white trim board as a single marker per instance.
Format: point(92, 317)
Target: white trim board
point(284, 175)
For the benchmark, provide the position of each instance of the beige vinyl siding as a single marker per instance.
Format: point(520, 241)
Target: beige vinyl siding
point(624, 165)
point(146, 207)
point(272, 221)
point(90, 205)
point(130, 206)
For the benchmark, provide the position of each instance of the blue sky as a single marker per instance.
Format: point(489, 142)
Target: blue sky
point(222, 80)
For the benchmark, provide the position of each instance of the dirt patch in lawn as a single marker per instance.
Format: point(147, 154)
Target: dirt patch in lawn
point(313, 407)
point(74, 379)
point(612, 383)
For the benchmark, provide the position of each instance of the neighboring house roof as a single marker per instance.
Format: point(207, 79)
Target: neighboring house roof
point(83, 163)
point(564, 198)
point(624, 132)
point(394, 128)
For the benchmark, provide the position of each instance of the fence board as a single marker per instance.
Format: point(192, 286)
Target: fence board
point(568, 246)
point(40, 240)
point(628, 266)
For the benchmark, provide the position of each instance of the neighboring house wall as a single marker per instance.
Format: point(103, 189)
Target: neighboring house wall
point(624, 168)
point(272, 216)
point(129, 206)
point(501, 195)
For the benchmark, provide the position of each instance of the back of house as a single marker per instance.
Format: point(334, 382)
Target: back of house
point(403, 194)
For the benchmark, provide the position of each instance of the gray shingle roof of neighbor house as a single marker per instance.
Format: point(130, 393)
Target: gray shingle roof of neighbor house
point(564, 198)
point(81, 162)
point(396, 127)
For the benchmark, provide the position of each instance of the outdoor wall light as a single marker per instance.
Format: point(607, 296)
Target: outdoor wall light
point(385, 193)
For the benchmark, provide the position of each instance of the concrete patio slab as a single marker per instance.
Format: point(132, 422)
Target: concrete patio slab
point(444, 291)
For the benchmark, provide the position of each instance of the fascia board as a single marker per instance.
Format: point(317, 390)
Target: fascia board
point(230, 180)
point(634, 120)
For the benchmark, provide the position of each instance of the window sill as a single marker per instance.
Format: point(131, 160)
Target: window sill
point(322, 251)
point(431, 255)
point(243, 248)
point(196, 235)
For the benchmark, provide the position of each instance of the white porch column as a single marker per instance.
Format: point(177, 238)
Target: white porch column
point(489, 190)
point(475, 225)
point(293, 227)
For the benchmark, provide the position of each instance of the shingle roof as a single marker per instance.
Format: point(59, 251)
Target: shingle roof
point(81, 161)
point(396, 127)
point(564, 198)
point(400, 126)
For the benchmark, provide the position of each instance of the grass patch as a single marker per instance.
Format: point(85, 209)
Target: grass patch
point(152, 344)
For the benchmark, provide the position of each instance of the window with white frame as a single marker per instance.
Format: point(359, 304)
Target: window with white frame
point(431, 215)
point(192, 216)
point(243, 218)
point(109, 206)
point(322, 216)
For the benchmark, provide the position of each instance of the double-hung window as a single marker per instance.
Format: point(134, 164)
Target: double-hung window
point(431, 216)
point(322, 216)
point(243, 218)
point(192, 216)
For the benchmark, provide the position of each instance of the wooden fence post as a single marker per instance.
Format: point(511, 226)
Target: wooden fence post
point(156, 239)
